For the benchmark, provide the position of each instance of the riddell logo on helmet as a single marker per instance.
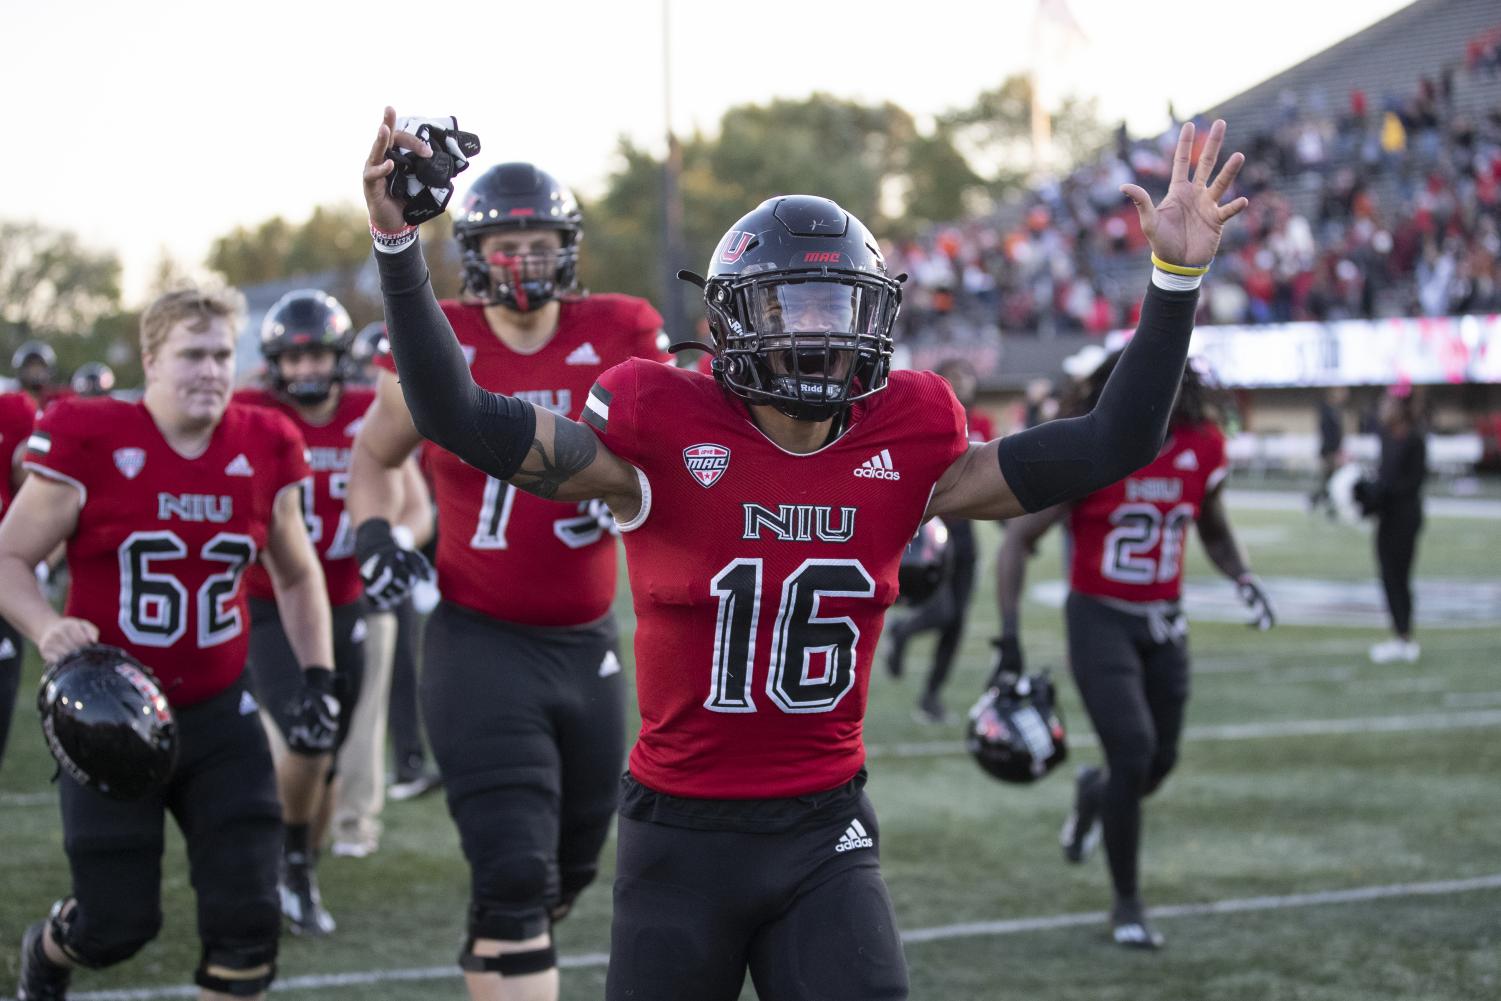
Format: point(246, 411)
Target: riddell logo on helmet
point(821, 256)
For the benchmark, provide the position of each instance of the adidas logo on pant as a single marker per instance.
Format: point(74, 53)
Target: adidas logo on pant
point(854, 837)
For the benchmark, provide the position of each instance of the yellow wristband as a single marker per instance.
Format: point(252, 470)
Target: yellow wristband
point(1179, 269)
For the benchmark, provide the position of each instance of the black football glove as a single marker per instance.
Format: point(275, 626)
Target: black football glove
point(315, 714)
point(1007, 665)
point(388, 569)
point(425, 183)
point(1263, 615)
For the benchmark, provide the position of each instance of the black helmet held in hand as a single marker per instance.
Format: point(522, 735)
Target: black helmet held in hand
point(107, 723)
point(300, 321)
point(925, 561)
point(1014, 730)
point(518, 197)
point(800, 308)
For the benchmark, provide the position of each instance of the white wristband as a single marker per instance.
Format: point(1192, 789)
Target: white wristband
point(1169, 282)
point(393, 243)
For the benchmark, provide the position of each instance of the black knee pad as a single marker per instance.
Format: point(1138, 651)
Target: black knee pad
point(97, 941)
point(511, 899)
point(510, 964)
point(239, 969)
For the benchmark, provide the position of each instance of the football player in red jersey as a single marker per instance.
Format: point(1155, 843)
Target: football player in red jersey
point(945, 611)
point(17, 414)
point(163, 504)
point(1127, 636)
point(765, 511)
point(35, 365)
point(521, 687)
point(305, 339)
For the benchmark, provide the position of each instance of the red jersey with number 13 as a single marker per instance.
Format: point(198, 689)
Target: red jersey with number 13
point(1128, 538)
point(329, 447)
point(761, 577)
point(162, 540)
point(505, 553)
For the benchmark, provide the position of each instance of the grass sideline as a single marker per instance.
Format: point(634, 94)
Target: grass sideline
point(1242, 818)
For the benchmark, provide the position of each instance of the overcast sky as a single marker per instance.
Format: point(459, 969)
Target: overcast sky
point(163, 123)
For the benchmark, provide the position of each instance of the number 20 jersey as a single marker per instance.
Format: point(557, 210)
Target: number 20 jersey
point(162, 540)
point(508, 554)
point(1128, 538)
point(761, 577)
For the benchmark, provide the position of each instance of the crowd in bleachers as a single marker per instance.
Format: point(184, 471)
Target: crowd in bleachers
point(1375, 205)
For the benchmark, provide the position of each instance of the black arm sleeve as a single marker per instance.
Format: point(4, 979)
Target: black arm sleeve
point(1066, 459)
point(490, 432)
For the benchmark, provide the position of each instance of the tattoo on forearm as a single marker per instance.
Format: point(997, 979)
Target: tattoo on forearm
point(573, 449)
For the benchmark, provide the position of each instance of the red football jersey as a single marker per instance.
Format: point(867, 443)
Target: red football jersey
point(505, 553)
point(761, 577)
point(17, 415)
point(1128, 537)
point(329, 447)
point(162, 540)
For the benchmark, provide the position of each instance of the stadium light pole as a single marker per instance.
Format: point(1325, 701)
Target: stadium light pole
point(671, 301)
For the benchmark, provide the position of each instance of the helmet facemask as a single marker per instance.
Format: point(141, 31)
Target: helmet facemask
point(521, 282)
point(308, 391)
point(807, 345)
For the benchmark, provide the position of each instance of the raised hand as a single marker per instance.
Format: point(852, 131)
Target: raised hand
point(385, 211)
point(1185, 228)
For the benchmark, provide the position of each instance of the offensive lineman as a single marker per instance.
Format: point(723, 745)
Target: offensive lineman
point(761, 564)
point(305, 339)
point(521, 688)
point(163, 504)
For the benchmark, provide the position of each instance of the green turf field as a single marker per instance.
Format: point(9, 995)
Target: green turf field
point(1333, 832)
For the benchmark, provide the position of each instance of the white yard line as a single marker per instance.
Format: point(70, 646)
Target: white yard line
point(972, 929)
point(1289, 500)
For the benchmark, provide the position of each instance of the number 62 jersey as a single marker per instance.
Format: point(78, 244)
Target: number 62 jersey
point(162, 540)
point(761, 577)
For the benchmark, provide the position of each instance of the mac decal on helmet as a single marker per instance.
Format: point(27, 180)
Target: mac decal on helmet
point(107, 723)
point(300, 321)
point(800, 308)
point(513, 197)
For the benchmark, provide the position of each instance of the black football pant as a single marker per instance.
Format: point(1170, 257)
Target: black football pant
point(946, 610)
point(277, 677)
point(1132, 673)
point(223, 796)
point(402, 716)
point(1396, 547)
point(527, 725)
point(805, 910)
point(10, 678)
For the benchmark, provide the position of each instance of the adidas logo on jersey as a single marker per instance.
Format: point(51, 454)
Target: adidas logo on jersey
point(878, 467)
point(584, 354)
point(239, 466)
point(1186, 460)
point(854, 838)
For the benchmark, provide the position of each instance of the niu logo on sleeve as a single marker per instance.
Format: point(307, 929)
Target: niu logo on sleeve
point(706, 462)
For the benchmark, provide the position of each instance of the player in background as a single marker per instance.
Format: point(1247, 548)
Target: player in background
point(521, 687)
point(762, 562)
point(1127, 635)
point(946, 610)
point(35, 366)
point(17, 414)
point(163, 504)
point(305, 340)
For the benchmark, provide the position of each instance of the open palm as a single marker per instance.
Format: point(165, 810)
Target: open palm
point(1185, 227)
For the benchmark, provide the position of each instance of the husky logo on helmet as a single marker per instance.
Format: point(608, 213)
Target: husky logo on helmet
point(800, 308)
point(510, 198)
point(304, 320)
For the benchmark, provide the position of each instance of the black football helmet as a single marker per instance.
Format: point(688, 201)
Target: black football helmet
point(107, 722)
point(924, 562)
point(510, 197)
point(306, 318)
point(28, 372)
point(800, 308)
point(93, 378)
point(1015, 731)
